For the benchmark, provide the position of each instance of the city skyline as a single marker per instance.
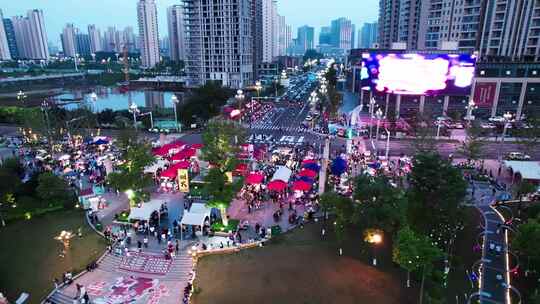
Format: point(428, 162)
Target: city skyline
point(82, 13)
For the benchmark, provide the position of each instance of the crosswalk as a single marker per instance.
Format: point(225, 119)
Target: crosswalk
point(292, 129)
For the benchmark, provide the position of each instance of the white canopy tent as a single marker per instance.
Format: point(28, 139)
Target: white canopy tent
point(529, 170)
point(145, 211)
point(196, 216)
point(282, 173)
point(160, 164)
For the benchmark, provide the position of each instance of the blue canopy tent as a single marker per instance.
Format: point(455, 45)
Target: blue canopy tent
point(374, 165)
point(306, 179)
point(311, 166)
point(101, 142)
point(339, 166)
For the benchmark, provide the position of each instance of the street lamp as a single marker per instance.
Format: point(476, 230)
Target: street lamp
point(375, 238)
point(21, 96)
point(64, 237)
point(239, 98)
point(439, 125)
point(507, 117)
point(372, 103)
point(470, 107)
point(379, 115)
point(175, 101)
point(133, 108)
point(75, 60)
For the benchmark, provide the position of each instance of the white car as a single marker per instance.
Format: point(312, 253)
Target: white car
point(517, 156)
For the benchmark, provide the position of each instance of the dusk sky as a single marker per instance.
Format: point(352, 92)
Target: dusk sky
point(121, 13)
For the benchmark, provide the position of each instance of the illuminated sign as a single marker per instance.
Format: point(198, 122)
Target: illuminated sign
point(418, 74)
point(183, 180)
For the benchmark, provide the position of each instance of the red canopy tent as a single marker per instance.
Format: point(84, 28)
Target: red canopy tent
point(184, 154)
point(277, 185)
point(308, 173)
point(182, 165)
point(240, 169)
point(254, 178)
point(170, 173)
point(301, 186)
point(307, 161)
point(197, 146)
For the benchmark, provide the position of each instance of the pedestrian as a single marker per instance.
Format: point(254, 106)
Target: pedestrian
point(145, 241)
point(177, 247)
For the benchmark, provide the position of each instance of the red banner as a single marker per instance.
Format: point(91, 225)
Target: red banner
point(484, 93)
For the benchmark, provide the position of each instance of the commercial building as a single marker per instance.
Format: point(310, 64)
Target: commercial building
point(30, 35)
point(11, 40)
point(5, 54)
point(148, 31)
point(367, 35)
point(325, 35)
point(219, 42)
point(304, 39)
point(175, 21)
point(69, 43)
point(95, 39)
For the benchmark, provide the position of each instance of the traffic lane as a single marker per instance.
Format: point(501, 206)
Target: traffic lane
point(491, 150)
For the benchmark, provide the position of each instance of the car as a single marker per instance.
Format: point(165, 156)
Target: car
point(517, 156)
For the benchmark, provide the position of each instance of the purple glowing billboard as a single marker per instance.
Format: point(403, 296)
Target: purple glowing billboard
point(418, 74)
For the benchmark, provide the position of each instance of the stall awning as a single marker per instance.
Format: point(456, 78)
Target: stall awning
point(282, 173)
point(145, 211)
point(529, 170)
point(160, 164)
point(254, 178)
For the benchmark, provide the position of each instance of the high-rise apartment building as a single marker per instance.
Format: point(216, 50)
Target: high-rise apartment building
point(341, 34)
point(30, 35)
point(82, 43)
point(68, 38)
point(305, 39)
point(268, 34)
point(175, 20)
point(5, 54)
point(325, 35)
point(95, 38)
point(11, 40)
point(388, 22)
point(282, 43)
point(128, 39)
point(148, 31)
point(288, 39)
point(219, 42)
point(367, 35)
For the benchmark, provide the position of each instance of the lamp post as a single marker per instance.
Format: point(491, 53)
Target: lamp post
point(175, 101)
point(21, 96)
point(239, 98)
point(371, 105)
point(439, 125)
point(258, 87)
point(507, 117)
point(133, 108)
point(75, 60)
point(470, 107)
point(387, 144)
point(374, 238)
point(379, 115)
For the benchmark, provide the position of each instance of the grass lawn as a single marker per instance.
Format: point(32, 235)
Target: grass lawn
point(30, 256)
point(299, 267)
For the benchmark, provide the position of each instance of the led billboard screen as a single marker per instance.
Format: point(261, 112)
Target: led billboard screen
point(418, 74)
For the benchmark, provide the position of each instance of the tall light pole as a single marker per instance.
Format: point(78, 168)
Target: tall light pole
point(133, 108)
point(371, 106)
point(507, 117)
point(21, 96)
point(379, 115)
point(75, 60)
point(470, 107)
point(175, 101)
point(239, 98)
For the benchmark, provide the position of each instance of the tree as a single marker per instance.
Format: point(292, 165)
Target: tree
point(312, 54)
point(530, 135)
point(436, 191)
point(472, 148)
point(527, 242)
point(53, 189)
point(130, 175)
point(221, 139)
point(523, 188)
point(204, 103)
point(413, 252)
point(424, 140)
point(380, 205)
point(221, 192)
point(343, 208)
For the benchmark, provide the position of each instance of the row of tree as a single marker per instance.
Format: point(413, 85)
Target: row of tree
point(422, 220)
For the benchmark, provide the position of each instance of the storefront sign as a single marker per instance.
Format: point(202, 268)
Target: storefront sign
point(183, 180)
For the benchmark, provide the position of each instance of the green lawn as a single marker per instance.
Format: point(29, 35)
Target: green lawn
point(299, 267)
point(30, 256)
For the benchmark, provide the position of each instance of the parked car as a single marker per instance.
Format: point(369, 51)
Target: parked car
point(517, 156)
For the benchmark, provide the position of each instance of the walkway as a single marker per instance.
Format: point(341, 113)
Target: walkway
point(494, 272)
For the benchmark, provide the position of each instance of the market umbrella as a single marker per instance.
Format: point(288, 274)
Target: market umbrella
point(339, 166)
point(241, 168)
point(308, 173)
point(160, 151)
point(306, 179)
point(301, 185)
point(254, 178)
point(197, 146)
point(277, 185)
point(311, 166)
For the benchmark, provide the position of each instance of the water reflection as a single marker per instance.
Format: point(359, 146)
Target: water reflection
point(115, 99)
